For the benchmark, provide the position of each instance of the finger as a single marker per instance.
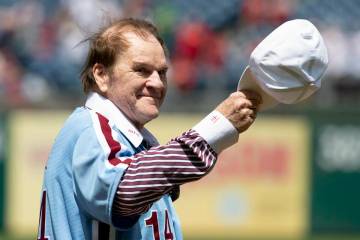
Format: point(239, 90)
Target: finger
point(246, 113)
point(250, 117)
point(247, 103)
point(251, 95)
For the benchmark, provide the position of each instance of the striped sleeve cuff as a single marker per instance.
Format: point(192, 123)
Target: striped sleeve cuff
point(217, 131)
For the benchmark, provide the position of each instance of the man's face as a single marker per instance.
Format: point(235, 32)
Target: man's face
point(138, 83)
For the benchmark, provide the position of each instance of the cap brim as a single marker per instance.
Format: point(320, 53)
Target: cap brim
point(249, 82)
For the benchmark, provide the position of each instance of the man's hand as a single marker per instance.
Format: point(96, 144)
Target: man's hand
point(240, 108)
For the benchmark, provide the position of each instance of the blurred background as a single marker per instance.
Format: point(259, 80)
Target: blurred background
point(293, 175)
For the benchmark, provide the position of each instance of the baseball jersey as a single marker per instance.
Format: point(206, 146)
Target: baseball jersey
point(105, 179)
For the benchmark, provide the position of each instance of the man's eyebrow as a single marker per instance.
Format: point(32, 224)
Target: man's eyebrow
point(147, 65)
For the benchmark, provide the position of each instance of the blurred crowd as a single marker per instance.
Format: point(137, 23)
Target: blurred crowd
point(210, 41)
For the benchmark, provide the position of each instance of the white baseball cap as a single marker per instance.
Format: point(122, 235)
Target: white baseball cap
point(287, 66)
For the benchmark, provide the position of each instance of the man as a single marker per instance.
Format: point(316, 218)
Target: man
point(106, 177)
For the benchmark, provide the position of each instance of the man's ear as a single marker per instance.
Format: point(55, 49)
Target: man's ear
point(101, 76)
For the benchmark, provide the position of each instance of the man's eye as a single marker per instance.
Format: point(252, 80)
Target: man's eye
point(143, 71)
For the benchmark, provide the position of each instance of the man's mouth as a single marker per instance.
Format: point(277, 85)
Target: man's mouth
point(154, 98)
point(158, 97)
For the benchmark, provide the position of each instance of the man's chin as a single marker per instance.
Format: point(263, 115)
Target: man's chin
point(150, 115)
point(153, 114)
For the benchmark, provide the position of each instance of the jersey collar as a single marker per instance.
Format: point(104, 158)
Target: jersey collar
point(107, 108)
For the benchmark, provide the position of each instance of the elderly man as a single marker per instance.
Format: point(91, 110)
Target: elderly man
point(107, 177)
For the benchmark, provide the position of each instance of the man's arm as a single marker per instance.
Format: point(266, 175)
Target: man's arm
point(153, 173)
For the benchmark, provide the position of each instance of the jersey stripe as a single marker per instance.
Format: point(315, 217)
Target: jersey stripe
point(115, 146)
point(42, 219)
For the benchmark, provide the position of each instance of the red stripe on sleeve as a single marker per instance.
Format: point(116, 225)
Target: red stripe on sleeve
point(115, 146)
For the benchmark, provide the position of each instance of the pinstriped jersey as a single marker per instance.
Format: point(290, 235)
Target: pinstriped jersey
point(102, 182)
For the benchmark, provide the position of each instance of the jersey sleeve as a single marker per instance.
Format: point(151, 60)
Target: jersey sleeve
point(97, 170)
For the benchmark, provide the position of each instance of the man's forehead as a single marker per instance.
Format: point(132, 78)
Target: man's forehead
point(146, 50)
point(140, 41)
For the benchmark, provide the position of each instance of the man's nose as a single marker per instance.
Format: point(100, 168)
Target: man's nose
point(155, 80)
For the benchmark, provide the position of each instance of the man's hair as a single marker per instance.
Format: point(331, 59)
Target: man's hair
point(106, 45)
